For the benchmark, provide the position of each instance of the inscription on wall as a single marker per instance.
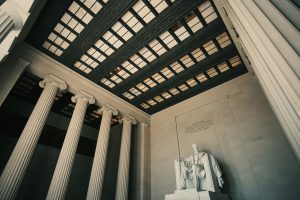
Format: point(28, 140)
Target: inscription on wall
point(199, 126)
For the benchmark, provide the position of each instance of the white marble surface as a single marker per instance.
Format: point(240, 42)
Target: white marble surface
point(192, 194)
point(200, 171)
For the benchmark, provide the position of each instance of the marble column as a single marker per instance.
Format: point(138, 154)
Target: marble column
point(18, 162)
point(9, 19)
point(268, 40)
point(124, 158)
point(60, 179)
point(142, 160)
point(97, 174)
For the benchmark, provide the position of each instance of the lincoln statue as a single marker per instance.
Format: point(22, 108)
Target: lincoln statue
point(200, 171)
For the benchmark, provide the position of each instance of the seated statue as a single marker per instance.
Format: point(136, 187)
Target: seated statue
point(200, 171)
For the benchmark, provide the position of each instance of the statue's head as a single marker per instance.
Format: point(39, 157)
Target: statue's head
point(195, 147)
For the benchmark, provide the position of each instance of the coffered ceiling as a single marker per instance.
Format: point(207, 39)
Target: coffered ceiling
point(152, 53)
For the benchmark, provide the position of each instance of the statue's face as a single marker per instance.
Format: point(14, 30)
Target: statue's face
point(195, 148)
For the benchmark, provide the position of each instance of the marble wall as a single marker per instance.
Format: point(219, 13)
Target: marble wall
point(235, 123)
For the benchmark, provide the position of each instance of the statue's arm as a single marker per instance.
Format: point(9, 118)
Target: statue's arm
point(217, 170)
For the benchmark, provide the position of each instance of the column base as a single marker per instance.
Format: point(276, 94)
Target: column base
point(193, 194)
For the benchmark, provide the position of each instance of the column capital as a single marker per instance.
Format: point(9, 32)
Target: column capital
point(128, 118)
point(84, 95)
point(144, 124)
point(50, 79)
point(13, 10)
point(108, 107)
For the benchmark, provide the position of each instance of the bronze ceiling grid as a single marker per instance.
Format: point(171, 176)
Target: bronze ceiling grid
point(158, 71)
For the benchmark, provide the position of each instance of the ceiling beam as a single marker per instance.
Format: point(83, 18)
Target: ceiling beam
point(158, 25)
point(101, 23)
point(217, 58)
point(205, 34)
point(215, 81)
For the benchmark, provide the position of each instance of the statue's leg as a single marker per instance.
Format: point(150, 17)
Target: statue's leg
point(198, 183)
point(194, 168)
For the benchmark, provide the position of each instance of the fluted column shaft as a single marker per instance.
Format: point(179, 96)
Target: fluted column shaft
point(65, 161)
point(143, 158)
point(9, 18)
point(124, 159)
point(18, 162)
point(97, 174)
point(6, 24)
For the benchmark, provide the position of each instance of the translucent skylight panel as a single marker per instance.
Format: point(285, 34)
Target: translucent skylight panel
point(80, 12)
point(96, 54)
point(138, 61)
point(72, 23)
point(52, 48)
point(46, 45)
point(59, 27)
point(134, 91)
point(176, 67)
point(144, 105)
point(122, 73)
point(93, 5)
point(187, 61)
point(112, 39)
point(122, 31)
point(86, 59)
point(183, 87)
point(201, 77)
point(158, 99)
point(212, 72)
point(82, 67)
point(223, 40)
point(210, 47)
point(142, 87)
point(168, 39)
point(235, 61)
point(223, 67)
point(63, 31)
point(207, 11)
point(157, 47)
point(128, 95)
point(143, 11)
point(58, 41)
point(191, 82)
point(147, 54)
point(159, 5)
point(116, 79)
point(166, 95)
point(167, 72)
point(174, 91)
point(158, 78)
point(198, 54)
point(193, 22)
point(181, 33)
point(150, 82)
point(108, 83)
point(100, 44)
point(66, 19)
point(127, 65)
point(151, 102)
point(132, 21)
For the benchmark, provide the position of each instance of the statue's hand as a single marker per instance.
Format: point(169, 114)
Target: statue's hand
point(221, 182)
